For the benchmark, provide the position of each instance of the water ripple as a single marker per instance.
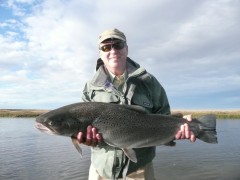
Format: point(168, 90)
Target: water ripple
point(26, 153)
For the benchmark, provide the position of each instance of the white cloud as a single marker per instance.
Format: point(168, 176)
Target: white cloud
point(48, 51)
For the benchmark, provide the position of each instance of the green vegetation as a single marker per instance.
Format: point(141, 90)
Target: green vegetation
point(221, 114)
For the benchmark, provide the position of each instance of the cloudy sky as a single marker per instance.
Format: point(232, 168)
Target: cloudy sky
point(48, 49)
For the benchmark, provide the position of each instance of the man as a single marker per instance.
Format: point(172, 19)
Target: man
point(118, 79)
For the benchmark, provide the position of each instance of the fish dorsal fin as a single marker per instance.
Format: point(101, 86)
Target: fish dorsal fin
point(136, 108)
point(77, 145)
point(130, 153)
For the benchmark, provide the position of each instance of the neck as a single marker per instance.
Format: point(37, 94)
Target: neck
point(117, 71)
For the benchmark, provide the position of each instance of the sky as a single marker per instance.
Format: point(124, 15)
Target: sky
point(48, 49)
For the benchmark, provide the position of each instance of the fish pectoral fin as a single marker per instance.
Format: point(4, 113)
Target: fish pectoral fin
point(130, 153)
point(171, 143)
point(77, 145)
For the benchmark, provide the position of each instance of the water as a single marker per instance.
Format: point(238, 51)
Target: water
point(28, 154)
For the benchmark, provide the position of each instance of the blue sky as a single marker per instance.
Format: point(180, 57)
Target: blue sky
point(48, 49)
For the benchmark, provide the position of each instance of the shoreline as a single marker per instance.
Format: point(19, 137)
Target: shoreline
point(22, 112)
point(221, 114)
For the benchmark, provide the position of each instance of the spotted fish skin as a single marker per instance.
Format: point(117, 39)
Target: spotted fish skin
point(123, 126)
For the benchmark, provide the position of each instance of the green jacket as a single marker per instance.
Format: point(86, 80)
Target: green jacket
point(140, 88)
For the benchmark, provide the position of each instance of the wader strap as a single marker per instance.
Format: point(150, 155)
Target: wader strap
point(116, 169)
point(125, 169)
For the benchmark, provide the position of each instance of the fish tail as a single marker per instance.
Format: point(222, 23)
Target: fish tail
point(207, 127)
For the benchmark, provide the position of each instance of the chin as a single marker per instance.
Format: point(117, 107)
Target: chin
point(115, 63)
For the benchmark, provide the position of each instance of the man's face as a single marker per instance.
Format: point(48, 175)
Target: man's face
point(115, 55)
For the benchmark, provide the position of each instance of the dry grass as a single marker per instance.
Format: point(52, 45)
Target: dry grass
point(221, 114)
point(21, 112)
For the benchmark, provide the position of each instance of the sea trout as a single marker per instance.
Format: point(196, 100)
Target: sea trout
point(122, 126)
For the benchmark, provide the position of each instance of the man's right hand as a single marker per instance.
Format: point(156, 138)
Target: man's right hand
point(91, 138)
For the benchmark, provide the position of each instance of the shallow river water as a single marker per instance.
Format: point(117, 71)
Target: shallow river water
point(28, 154)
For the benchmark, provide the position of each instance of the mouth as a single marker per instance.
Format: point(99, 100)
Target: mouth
point(43, 128)
point(116, 57)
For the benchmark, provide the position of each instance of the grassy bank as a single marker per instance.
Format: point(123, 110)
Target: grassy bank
point(221, 114)
point(21, 112)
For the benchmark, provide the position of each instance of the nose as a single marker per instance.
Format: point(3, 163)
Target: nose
point(113, 50)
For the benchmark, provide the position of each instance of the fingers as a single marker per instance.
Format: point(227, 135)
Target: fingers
point(185, 130)
point(89, 136)
point(80, 137)
point(92, 138)
point(185, 133)
point(192, 137)
point(178, 135)
point(182, 129)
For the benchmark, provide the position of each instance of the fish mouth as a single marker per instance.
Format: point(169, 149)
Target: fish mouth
point(44, 129)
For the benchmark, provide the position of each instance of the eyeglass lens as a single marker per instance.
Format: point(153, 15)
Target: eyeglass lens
point(108, 47)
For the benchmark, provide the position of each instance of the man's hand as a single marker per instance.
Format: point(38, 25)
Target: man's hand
point(91, 138)
point(184, 132)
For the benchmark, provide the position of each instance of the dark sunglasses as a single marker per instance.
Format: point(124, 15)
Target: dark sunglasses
point(108, 47)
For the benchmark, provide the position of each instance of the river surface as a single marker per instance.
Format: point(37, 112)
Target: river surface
point(28, 154)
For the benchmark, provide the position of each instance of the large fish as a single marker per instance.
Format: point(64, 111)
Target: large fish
point(122, 126)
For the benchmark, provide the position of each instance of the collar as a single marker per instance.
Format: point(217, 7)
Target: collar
point(113, 76)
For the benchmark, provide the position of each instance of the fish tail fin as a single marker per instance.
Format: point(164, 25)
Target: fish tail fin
point(76, 144)
point(208, 129)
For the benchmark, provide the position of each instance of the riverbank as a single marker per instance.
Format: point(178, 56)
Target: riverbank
point(221, 114)
point(21, 112)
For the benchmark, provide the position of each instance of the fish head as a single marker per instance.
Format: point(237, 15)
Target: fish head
point(58, 122)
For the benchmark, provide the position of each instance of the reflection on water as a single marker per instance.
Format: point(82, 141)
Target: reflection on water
point(26, 153)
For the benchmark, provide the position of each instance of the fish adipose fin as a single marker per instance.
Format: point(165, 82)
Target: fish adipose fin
point(77, 145)
point(130, 153)
point(208, 129)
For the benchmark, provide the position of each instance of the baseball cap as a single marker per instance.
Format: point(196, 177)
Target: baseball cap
point(111, 33)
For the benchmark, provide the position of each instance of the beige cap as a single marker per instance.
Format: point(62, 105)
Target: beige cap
point(111, 33)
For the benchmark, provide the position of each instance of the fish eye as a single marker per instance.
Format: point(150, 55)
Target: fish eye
point(50, 123)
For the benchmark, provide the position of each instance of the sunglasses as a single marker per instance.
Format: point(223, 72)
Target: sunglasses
point(108, 47)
